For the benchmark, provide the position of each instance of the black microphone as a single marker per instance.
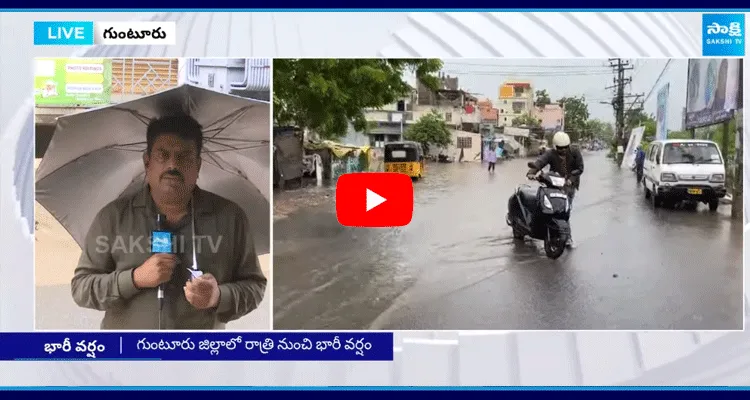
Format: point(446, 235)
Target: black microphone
point(161, 242)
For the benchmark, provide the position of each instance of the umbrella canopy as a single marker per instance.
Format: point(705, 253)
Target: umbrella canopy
point(96, 156)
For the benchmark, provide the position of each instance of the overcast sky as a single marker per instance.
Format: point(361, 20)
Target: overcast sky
point(572, 77)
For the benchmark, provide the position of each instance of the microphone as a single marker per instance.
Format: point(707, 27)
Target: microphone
point(161, 242)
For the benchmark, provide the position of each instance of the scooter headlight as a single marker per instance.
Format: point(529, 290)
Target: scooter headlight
point(547, 203)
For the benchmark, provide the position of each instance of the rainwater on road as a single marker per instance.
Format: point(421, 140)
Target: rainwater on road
point(456, 266)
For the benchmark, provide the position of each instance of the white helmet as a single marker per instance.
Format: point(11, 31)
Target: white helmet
point(561, 139)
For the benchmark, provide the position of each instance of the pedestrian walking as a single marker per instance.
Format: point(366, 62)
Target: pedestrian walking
point(640, 158)
point(491, 159)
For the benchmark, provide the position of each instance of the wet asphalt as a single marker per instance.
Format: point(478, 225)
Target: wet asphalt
point(457, 267)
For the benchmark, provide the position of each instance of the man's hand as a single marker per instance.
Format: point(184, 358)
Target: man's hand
point(155, 271)
point(203, 292)
point(569, 183)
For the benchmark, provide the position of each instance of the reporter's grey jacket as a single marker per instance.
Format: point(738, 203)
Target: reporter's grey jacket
point(562, 165)
point(118, 242)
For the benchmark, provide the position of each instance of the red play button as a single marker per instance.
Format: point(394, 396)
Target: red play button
point(374, 199)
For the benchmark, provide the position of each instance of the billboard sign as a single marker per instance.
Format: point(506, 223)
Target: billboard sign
point(636, 135)
point(72, 82)
point(712, 91)
point(662, 98)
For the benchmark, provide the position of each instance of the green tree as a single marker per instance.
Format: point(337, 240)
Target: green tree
point(716, 134)
point(430, 131)
point(325, 95)
point(635, 118)
point(527, 120)
point(542, 98)
point(576, 115)
point(596, 128)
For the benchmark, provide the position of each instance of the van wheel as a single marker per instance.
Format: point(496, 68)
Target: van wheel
point(655, 200)
point(713, 204)
point(646, 192)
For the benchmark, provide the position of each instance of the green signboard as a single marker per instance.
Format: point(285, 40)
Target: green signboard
point(72, 82)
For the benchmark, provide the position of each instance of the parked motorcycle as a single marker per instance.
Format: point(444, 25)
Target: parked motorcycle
point(542, 212)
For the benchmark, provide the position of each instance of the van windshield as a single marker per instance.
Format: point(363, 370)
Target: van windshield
point(691, 153)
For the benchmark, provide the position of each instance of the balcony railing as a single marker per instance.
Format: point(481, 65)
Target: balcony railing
point(133, 77)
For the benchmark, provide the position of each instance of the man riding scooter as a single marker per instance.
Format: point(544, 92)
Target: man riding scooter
point(564, 160)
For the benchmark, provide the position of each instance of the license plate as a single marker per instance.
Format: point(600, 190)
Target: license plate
point(695, 191)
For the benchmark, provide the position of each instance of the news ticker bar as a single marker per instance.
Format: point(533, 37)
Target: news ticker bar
point(394, 392)
point(197, 346)
point(88, 33)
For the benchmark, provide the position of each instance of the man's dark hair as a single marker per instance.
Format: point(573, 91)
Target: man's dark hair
point(184, 126)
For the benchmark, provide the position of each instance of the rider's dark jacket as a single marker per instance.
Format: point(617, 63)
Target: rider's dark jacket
point(563, 165)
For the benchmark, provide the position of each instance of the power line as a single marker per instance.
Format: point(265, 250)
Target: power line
point(657, 80)
point(650, 92)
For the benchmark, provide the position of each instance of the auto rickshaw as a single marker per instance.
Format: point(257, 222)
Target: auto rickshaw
point(404, 157)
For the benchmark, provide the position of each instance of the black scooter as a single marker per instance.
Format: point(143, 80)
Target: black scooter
point(542, 212)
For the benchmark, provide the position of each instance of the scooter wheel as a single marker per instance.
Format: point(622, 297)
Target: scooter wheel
point(554, 248)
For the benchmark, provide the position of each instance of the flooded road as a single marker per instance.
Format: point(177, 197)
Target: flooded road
point(456, 266)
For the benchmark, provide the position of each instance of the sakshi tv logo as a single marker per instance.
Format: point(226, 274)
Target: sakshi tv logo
point(724, 35)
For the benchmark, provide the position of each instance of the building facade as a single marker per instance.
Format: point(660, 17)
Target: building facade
point(551, 117)
point(458, 108)
point(515, 98)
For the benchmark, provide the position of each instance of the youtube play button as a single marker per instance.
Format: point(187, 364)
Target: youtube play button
point(374, 199)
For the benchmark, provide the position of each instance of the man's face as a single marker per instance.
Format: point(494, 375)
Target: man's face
point(172, 167)
point(562, 150)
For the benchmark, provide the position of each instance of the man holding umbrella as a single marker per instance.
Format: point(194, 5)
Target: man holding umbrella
point(211, 278)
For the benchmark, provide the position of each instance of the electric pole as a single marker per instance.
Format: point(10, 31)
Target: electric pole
point(619, 67)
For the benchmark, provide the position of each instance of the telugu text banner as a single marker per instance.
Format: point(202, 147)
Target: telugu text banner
point(197, 346)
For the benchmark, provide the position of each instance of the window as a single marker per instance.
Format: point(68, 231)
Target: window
point(448, 117)
point(691, 153)
point(658, 154)
point(463, 142)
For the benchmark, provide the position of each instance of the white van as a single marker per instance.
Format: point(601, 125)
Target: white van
point(680, 169)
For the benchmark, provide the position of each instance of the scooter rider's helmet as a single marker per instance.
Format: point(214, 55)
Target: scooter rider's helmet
point(561, 141)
